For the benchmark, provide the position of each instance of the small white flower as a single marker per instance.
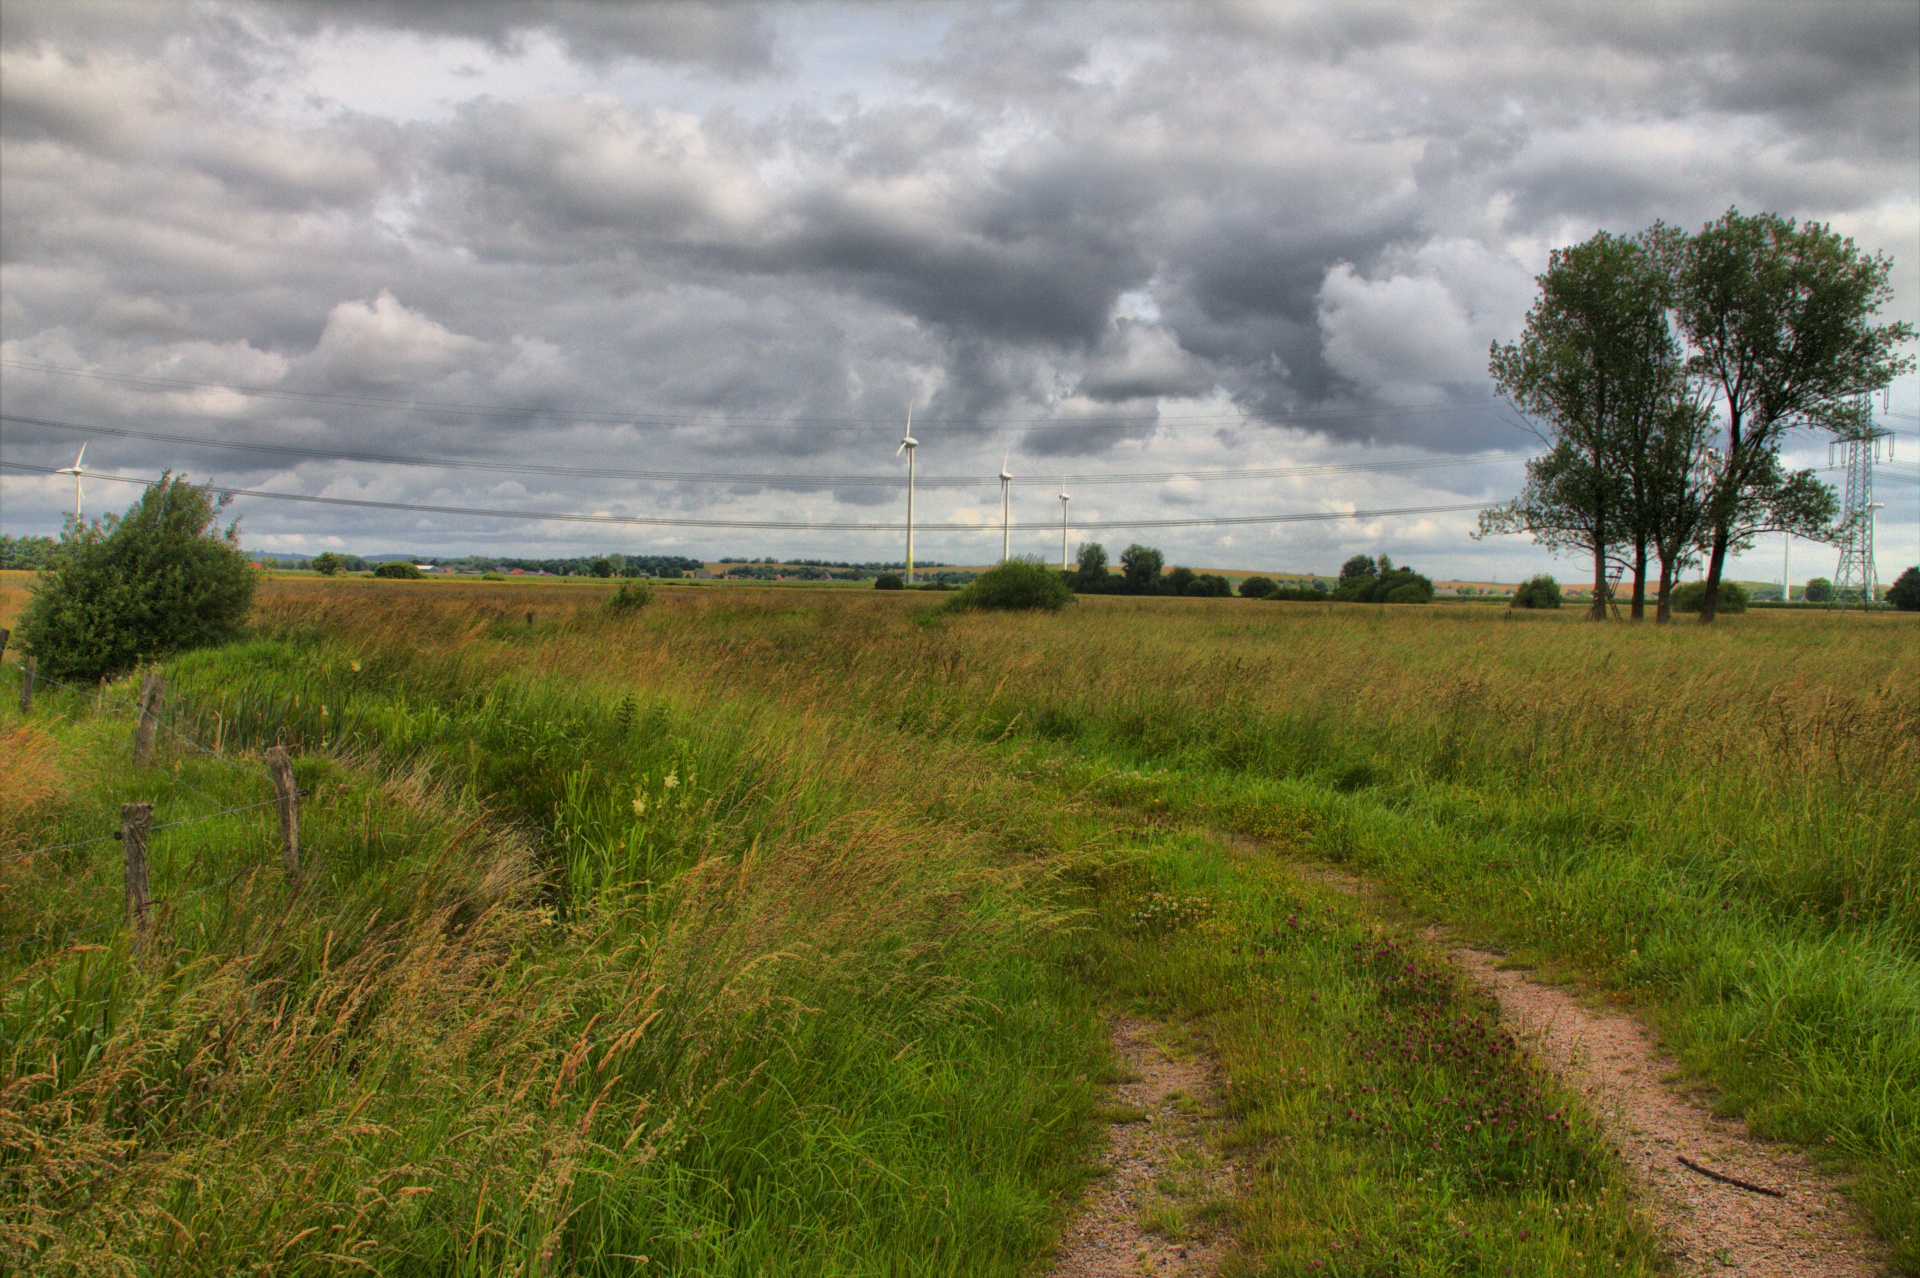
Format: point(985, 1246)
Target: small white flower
point(669, 781)
point(639, 805)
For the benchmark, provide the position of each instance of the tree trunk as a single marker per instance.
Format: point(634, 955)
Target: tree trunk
point(1715, 562)
point(1640, 579)
point(1727, 509)
point(1663, 609)
point(1599, 610)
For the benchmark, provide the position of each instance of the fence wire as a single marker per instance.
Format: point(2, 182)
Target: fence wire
point(174, 778)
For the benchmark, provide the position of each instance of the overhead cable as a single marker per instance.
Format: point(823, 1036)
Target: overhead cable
point(663, 521)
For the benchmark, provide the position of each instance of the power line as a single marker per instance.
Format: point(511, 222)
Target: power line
point(614, 417)
point(728, 477)
point(661, 521)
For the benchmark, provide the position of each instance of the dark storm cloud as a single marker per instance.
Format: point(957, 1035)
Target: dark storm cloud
point(1040, 220)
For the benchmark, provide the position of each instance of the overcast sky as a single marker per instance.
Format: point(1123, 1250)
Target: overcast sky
point(740, 240)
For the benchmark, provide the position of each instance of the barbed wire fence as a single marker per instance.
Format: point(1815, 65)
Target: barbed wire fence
point(136, 818)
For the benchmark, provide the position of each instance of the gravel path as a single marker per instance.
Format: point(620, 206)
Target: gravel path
point(1149, 1213)
point(1807, 1231)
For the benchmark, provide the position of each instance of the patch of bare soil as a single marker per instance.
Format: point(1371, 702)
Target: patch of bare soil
point(1165, 1201)
point(1803, 1228)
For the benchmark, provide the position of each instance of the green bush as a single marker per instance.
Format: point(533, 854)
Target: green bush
point(1257, 588)
point(1819, 590)
point(1688, 596)
point(1364, 580)
point(1017, 585)
point(630, 598)
point(1206, 585)
point(327, 564)
point(160, 579)
point(888, 581)
point(1904, 593)
point(491, 576)
point(1537, 592)
point(398, 570)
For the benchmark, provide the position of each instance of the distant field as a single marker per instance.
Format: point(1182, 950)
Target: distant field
point(769, 931)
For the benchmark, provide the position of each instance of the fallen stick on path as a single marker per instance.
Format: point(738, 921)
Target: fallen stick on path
point(1725, 1179)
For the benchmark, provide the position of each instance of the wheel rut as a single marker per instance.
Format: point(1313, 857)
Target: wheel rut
point(1687, 1160)
point(1163, 1204)
point(1803, 1228)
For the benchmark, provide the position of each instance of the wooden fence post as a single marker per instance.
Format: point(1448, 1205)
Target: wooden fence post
point(151, 693)
point(28, 669)
point(135, 820)
point(5, 634)
point(288, 793)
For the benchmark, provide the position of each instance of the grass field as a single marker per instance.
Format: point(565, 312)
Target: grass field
point(771, 931)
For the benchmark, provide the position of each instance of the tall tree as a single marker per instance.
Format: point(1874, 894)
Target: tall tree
point(1780, 320)
point(1595, 367)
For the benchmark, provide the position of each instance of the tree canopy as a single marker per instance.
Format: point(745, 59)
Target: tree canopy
point(160, 579)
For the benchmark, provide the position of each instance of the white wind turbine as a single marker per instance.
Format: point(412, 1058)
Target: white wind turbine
point(1006, 512)
point(1064, 499)
point(74, 470)
point(907, 444)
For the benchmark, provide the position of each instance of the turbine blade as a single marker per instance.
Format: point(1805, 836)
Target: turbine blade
point(901, 449)
point(81, 459)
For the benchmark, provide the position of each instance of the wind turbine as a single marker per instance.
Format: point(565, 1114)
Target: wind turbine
point(907, 444)
point(1006, 512)
point(74, 470)
point(1064, 499)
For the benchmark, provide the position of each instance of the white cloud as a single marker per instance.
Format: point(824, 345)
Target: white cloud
point(382, 343)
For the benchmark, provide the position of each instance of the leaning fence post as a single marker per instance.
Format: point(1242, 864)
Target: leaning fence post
point(135, 819)
point(289, 795)
point(151, 692)
point(28, 668)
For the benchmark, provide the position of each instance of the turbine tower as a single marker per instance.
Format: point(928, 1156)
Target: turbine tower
point(1856, 570)
point(1064, 499)
point(74, 470)
point(907, 444)
point(1006, 512)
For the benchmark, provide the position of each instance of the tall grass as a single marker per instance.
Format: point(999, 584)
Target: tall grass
point(571, 981)
point(834, 839)
point(1721, 819)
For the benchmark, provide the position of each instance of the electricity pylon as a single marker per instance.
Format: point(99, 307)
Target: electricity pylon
point(1856, 571)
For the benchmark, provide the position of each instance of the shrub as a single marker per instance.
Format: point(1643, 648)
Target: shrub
point(1537, 592)
point(1819, 590)
point(328, 564)
point(1091, 576)
point(398, 570)
point(1904, 593)
point(491, 576)
point(1017, 585)
point(1688, 596)
point(1257, 588)
point(1140, 567)
point(601, 567)
point(1363, 580)
point(160, 579)
point(888, 581)
point(630, 598)
point(1210, 585)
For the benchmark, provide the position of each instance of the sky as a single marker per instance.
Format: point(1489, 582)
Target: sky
point(694, 262)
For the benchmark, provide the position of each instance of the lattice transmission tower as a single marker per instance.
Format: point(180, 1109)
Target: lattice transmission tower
point(1859, 451)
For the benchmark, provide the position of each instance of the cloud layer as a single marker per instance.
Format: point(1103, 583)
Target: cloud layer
point(744, 238)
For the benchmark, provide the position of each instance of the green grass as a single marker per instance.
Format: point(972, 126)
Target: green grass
point(875, 918)
point(813, 1040)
